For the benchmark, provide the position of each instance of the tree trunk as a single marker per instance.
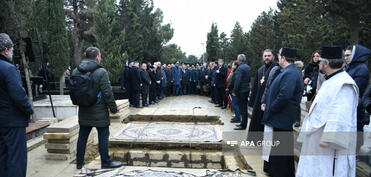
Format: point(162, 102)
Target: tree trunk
point(354, 28)
point(27, 75)
point(76, 47)
point(61, 85)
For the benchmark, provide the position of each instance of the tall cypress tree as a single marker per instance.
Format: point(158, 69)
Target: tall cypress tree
point(57, 52)
point(109, 37)
point(212, 43)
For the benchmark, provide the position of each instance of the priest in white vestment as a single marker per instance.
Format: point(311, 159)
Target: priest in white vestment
point(328, 134)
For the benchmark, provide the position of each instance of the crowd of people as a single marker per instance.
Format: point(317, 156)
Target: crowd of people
point(146, 83)
point(275, 94)
point(334, 83)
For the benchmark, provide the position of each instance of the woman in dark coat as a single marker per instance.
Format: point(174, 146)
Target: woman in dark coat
point(356, 57)
point(311, 71)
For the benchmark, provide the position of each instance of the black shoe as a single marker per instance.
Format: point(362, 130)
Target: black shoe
point(239, 128)
point(235, 121)
point(218, 106)
point(139, 106)
point(111, 165)
point(145, 105)
point(79, 166)
point(224, 107)
point(297, 124)
point(131, 105)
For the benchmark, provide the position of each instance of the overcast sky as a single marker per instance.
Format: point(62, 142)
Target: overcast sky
point(192, 19)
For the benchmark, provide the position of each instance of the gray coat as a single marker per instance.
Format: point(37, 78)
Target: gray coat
point(97, 115)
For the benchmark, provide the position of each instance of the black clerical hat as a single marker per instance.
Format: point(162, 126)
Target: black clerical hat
point(288, 52)
point(331, 52)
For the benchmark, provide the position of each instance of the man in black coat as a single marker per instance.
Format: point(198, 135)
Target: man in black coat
point(202, 79)
point(127, 82)
point(96, 115)
point(241, 88)
point(214, 90)
point(221, 83)
point(15, 112)
point(158, 80)
point(152, 86)
point(256, 128)
point(169, 80)
point(282, 100)
point(135, 84)
point(146, 82)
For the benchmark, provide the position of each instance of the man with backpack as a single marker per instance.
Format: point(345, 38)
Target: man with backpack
point(93, 78)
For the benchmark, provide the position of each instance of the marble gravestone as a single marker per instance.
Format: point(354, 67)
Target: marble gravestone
point(63, 107)
point(170, 133)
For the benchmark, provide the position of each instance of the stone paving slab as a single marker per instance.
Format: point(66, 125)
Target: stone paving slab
point(176, 112)
point(64, 126)
point(62, 136)
point(173, 115)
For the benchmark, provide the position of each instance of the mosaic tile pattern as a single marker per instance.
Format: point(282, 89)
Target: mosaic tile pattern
point(170, 132)
point(153, 173)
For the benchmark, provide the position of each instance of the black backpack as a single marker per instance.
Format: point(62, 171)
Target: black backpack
point(82, 92)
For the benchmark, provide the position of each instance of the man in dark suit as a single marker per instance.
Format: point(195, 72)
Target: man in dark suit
point(152, 87)
point(135, 82)
point(202, 78)
point(214, 91)
point(282, 100)
point(158, 81)
point(169, 81)
point(146, 82)
point(127, 82)
point(221, 83)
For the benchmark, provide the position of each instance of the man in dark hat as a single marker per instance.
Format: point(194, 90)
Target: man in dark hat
point(15, 111)
point(255, 127)
point(282, 99)
point(329, 131)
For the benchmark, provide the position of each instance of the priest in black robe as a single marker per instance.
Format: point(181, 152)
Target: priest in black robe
point(256, 129)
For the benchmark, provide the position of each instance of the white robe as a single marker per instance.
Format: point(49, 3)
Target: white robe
point(332, 118)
